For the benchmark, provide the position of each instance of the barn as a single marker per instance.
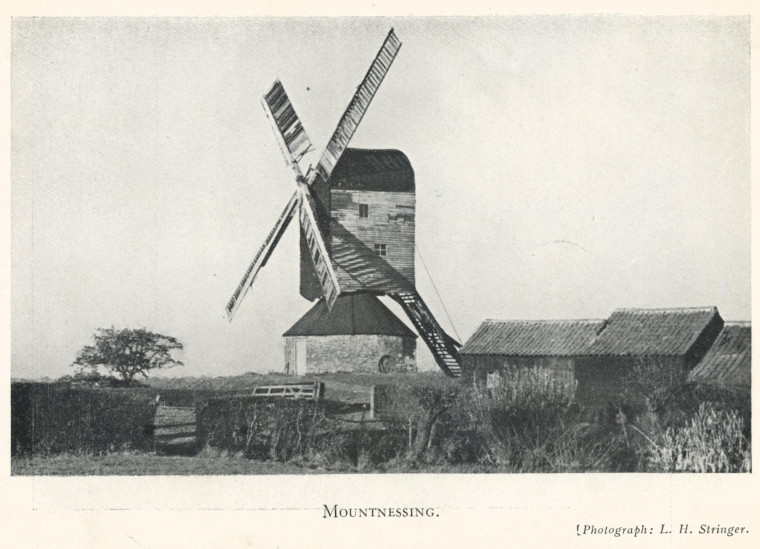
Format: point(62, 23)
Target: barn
point(503, 350)
point(360, 334)
point(662, 345)
point(725, 372)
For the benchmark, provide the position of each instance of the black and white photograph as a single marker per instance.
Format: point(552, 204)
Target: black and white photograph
point(459, 247)
point(490, 182)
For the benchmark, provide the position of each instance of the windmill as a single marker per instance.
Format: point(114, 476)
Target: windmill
point(356, 215)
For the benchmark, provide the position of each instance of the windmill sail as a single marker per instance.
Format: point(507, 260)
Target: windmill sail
point(288, 128)
point(317, 249)
point(358, 105)
point(262, 256)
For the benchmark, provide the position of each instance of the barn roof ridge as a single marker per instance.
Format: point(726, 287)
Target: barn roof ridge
point(706, 308)
point(543, 320)
point(532, 338)
point(662, 332)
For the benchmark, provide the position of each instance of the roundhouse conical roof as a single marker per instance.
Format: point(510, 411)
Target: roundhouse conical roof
point(352, 314)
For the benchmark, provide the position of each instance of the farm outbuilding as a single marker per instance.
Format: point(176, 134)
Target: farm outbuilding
point(655, 345)
point(360, 334)
point(505, 350)
point(725, 371)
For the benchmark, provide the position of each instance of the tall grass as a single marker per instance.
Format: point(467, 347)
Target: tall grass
point(531, 424)
point(711, 441)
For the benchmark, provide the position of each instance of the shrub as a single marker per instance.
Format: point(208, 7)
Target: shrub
point(424, 407)
point(260, 428)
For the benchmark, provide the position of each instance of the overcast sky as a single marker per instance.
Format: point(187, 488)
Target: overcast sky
point(565, 166)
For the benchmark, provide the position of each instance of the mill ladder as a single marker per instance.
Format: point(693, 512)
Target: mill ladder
point(444, 347)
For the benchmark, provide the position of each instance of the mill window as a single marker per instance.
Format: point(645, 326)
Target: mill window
point(363, 210)
point(380, 249)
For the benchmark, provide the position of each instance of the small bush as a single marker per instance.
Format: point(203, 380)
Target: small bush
point(260, 428)
point(425, 409)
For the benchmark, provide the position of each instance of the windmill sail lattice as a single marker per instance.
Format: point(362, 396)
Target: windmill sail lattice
point(262, 256)
point(286, 120)
point(358, 105)
point(317, 249)
point(290, 133)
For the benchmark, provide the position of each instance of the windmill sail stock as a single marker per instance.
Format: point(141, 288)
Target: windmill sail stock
point(262, 256)
point(358, 105)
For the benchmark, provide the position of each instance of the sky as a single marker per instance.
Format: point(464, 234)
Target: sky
point(565, 166)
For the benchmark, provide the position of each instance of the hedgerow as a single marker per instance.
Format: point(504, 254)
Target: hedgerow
point(49, 418)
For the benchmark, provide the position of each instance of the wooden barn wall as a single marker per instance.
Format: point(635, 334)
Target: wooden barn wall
point(602, 381)
point(344, 353)
point(476, 369)
point(390, 222)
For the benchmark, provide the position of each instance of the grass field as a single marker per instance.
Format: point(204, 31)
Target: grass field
point(145, 464)
point(150, 464)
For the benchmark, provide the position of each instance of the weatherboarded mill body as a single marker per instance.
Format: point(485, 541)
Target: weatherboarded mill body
point(505, 351)
point(366, 212)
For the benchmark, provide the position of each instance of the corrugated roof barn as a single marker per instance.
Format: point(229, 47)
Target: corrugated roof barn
point(653, 332)
point(662, 345)
point(728, 363)
point(532, 337)
point(502, 350)
point(596, 357)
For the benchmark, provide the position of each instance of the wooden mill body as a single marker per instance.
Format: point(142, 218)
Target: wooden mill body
point(367, 215)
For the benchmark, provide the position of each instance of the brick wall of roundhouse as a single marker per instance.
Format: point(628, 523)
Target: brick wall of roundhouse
point(358, 353)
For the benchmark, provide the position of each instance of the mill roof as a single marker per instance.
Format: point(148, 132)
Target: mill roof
point(661, 332)
point(532, 337)
point(373, 170)
point(352, 314)
point(728, 362)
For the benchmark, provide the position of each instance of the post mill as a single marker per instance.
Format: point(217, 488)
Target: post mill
point(356, 211)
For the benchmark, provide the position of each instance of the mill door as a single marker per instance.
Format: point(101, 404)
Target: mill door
point(299, 361)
